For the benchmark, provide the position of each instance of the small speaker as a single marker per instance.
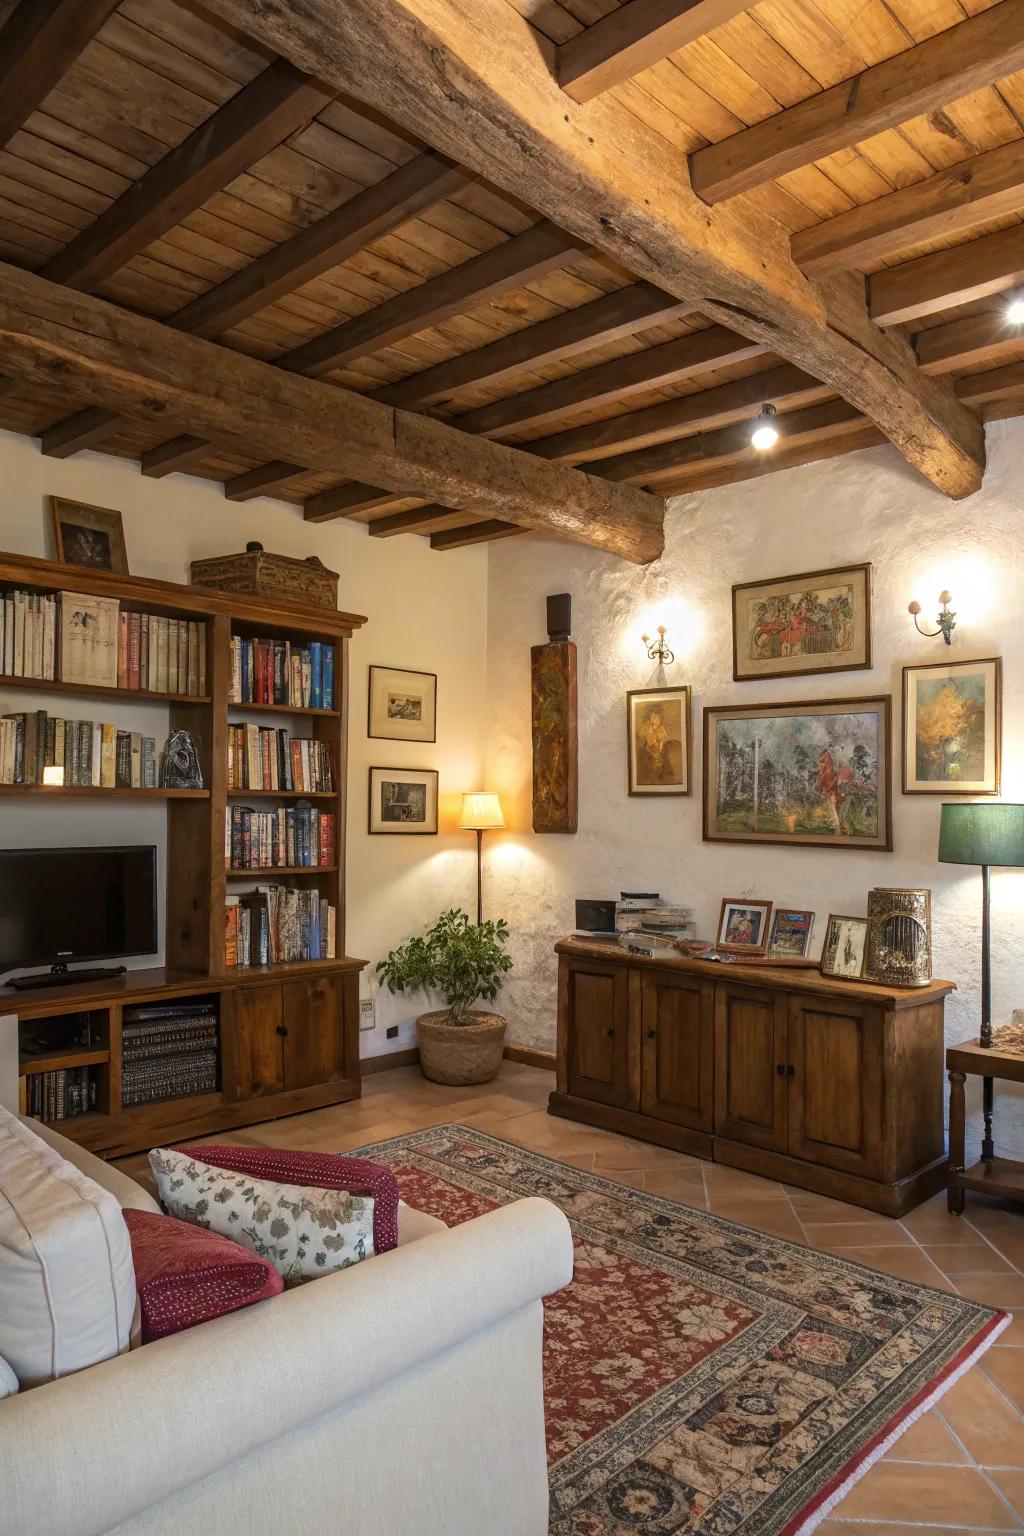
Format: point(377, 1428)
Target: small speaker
point(559, 616)
point(595, 916)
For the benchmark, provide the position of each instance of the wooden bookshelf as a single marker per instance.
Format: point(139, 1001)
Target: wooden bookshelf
point(276, 870)
point(101, 792)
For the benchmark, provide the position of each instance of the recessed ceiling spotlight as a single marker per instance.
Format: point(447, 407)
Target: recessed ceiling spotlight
point(765, 434)
point(1015, 310)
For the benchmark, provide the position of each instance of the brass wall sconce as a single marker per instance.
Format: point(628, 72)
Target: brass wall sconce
point(946, 620)
point(657, 650)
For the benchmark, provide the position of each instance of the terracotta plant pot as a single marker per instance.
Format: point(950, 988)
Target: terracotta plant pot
point(460, 1053)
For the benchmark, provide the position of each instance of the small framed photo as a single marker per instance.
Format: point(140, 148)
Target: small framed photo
point(743, 926)
point(952, 728)
point(846, 942)
point(89, 536)
point(403, 801)
point(403, 705)
point(790, 936)
point(658, 741)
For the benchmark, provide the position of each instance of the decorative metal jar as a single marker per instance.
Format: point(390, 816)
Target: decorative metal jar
point(899, 936)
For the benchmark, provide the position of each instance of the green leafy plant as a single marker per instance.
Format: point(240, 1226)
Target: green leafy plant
point(460, 959)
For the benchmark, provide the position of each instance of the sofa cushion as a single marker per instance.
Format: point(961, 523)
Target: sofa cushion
point(129, 1195)
point(185, 1275)
point(8, 1380)
point(67, 1286)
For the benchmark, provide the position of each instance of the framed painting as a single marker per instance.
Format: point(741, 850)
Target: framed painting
point(815, 774)
point(89, 536)
point(743, 926)
point(403, 801)
point(952, 728)
point(846, 941)
point(402, 705)
point(658, 741)
point(819, 621)
point(790, 936)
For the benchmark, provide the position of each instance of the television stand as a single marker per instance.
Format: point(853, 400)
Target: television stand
point(60, 976)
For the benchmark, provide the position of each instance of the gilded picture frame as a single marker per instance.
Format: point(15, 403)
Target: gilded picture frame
point(812, 622)
point(90, 537)
point(659, 741)
point(953, 728)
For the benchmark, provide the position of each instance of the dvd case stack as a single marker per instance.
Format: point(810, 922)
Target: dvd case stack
point(277, 672)
point(299, 838)
point(61, 1094)
point(278, 923)
point(168, 1051)
point(260, 757)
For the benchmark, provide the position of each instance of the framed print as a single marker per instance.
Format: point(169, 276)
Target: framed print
point(402, 705)
point(952, 728)
point(743, 926)
point(790, 934)
point(846, 942)
point(658, 741)
point(403, 801)
point(819, 621)
point(816, 774)
point(89, 536)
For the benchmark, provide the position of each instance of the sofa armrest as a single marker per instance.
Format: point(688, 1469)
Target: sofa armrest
point(122, 1436)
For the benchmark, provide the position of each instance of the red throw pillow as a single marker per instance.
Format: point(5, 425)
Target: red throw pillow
point(185, 1275)
point(315, 1170)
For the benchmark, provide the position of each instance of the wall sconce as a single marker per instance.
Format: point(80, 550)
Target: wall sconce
point(657, 650)
point(946, 620)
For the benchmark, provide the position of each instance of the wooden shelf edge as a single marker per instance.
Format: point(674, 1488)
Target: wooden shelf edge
point(282, 794)
point(281, 869)
point(77, 791)
point(100, 690)
point(54, 1061)
point(286, 709)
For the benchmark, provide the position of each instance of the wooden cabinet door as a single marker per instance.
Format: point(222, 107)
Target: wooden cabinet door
point(836, 1092)
point(677, 1026)
point(252, 1042)
point(314, 1049)
point(750, 1065)
point(598, 1030)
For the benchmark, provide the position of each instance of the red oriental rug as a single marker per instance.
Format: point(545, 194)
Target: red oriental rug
point(700, 1376)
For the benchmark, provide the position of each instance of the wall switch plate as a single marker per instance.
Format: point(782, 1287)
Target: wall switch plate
point(392, 1032)
point(366, 1019)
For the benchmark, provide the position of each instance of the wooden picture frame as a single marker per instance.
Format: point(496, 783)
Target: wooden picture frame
point(737, 912)
point(794, 939)
point(825, 792)
point(659, 765)
point(937, 724)
point(812, 622)
point(840, 931)
point(394, 810)
point(91, 537)
point(401, 705)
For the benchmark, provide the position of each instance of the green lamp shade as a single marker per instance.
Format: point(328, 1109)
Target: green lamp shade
point(988, 832)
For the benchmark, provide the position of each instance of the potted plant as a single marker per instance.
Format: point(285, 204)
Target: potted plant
point(463, 961)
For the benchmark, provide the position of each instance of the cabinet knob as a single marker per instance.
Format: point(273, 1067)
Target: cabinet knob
point(282, 1030)
point(651, 1034)
point(784, 1069)
point(611, 1033)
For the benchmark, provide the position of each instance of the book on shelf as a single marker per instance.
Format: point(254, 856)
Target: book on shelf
point(28, 634)
point(280, 672)
point(168, 1051)
point(162, 655)
point(61, 1094)
point(299, 837)
point(261, 757)
point(90, 752)
point(276, 924)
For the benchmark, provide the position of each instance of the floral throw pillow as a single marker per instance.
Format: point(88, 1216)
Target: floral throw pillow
point(302, 1232)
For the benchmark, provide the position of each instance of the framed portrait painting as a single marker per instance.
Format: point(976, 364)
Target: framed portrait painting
point(952, 728)
point(403, 801)
point(403, 705)
point(816, 774)
point(743, 926)
point(846, 940)
point(658, 741)
point(790, 936)
point(88, 536)
point(819, 621)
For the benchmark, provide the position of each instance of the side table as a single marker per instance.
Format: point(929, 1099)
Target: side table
point(993, 1175)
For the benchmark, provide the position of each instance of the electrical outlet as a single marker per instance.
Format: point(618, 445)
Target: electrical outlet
point(366, 1019)
point(392, 1032)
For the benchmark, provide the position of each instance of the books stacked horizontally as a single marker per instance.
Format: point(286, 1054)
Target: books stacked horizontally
point(61, 1094)
point(161, 655)
point(88, 751)
point(278, 672)
point(28, 635)
point(302, 838)
point(260, 757)
point(277, 923)
point(645, 912)
point(168, 1051)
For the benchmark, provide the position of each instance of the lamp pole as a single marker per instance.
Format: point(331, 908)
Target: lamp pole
point(479, 876)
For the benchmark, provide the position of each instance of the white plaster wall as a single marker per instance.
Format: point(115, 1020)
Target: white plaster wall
point(868, 506)
point(426, 611)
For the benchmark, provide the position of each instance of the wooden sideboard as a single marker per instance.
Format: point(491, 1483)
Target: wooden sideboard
point(835, 1086)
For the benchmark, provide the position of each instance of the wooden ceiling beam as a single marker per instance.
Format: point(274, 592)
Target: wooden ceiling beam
point(124, 362)
point(964, 58)
point(811, 451)
point(39, 42)
point(477, 83)
point(984, 338)
point(475, 533)
point(344, 501)
point(993, 386)
point(945, 279)
point(634, 37)
point(431, 518)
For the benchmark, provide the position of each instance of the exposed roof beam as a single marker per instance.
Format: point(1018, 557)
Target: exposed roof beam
point(633, 38)
point(85, 429)
point(344, 500)
point(39, 42)
point(994, 386)
point(432, 518)
point(951, 64)
point(134, 365)
point(983, 338)
point(475, 533)
point(477, 83)
point(961, 197)
point(944, 279)
point(811, 450)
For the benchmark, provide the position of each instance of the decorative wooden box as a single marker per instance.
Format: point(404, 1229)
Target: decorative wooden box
point(298, 581)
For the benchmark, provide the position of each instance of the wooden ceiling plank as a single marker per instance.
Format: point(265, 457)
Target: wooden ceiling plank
point(983, 338)
point(945, 279)
point(814, 451)
point(138, 367)
point(261, 481)
point(85, 429)
point(431, 518)
point(632, 38)
point(996, 384)
point(945, 67)
point(475, 533)
point(38, 44)
point(344, 500)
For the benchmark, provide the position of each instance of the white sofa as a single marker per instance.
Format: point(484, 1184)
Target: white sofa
point(399, 1398)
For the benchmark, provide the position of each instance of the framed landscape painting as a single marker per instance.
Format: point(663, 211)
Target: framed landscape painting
point(658, 741)
point(402, 705)
point(403, 801)
point(819, 621)
point(952, 728)
point(816, 774)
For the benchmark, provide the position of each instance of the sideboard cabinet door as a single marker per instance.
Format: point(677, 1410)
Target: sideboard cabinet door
point(314, 1039)
point(751, 1079)
point(677, 1024)
point(252, 1042)
point(598, 1030)
point(836, 1089)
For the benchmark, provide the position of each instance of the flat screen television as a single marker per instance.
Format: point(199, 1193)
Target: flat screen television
point(59, 906)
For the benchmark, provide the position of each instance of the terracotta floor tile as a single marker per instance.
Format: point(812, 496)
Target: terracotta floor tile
point(634, 1177)
point(1006, 1368)
point(906, 1262)
point(886, 1528)
point(928, 1440)
point(736, 1183)
point(633, 1154)
point(1011, 1486)
point(978, 1412)
point(880, 1233)
point(683, 1184)
point(967, 1258)
point(772, 1216)
point(821, 1208)
point(920, 1494)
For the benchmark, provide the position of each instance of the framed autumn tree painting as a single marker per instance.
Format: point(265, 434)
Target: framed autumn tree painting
point(952, 728)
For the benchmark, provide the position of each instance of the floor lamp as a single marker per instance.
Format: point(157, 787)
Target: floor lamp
point(481, 812)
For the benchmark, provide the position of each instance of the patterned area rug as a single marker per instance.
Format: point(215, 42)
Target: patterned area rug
point(701, 1377)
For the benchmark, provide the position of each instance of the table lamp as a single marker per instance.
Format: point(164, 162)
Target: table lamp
point(481, 812)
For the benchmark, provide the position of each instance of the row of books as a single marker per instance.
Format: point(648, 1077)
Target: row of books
point(278, 672)
point(87, 751)
point(168, 1051)
point(301, 837)
point(59, 1095)
point(278, 923)
point(260, 757)
point(161, 655)
point(28, 635)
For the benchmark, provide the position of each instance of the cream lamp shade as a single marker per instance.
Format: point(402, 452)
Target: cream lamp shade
point(481, 812)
